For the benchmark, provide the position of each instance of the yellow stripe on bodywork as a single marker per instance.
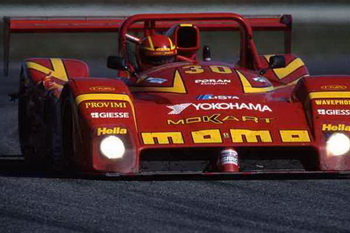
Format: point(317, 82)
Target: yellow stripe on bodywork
point(58, 70)
point(150, 43)
point(172, 46)
point(328, 94)
point(248, 88)
point(178, 86)
point(101, 96)
point(290, 68)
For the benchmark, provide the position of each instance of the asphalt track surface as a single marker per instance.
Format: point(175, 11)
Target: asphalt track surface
point(32, 201)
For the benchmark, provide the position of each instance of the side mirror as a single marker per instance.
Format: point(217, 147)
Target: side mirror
point(117, 63)
point(277, 61)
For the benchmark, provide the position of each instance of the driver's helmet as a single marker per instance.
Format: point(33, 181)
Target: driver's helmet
point(156, 50)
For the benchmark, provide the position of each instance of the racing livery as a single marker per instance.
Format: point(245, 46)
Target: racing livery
point(263, 113)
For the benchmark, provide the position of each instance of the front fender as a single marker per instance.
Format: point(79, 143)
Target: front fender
point(102, 107)
point(326, 101)
point(53, 73)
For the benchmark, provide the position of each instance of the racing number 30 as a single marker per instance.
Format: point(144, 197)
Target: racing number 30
point(196, 69)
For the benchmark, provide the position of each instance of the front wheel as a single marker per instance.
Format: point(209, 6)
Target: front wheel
point(31, 125)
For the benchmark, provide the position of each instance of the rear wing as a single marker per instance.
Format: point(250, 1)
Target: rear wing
point(112, 24)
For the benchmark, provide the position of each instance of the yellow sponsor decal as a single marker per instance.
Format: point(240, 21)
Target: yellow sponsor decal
point(109, 131)
point(207, 136)
point(334, 87)
point(58, 70)
point(333, 102)
point(105, 105)
point(330, 94)
point(339, 127)
point(295, 136)
point(242, 135)
point(102, 89)
point(236, 135)
point(218, 119)
point(104, 96)
point(162, 138)
point(86, 97)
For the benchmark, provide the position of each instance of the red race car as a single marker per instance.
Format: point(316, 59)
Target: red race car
point(173, 109)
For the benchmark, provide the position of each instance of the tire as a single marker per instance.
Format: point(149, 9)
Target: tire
point(67, 136)
point(31, 126)
point(53, 144)
point(25, 123)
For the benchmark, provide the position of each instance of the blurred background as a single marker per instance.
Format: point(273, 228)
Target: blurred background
point(321, 37)
point(321, 29)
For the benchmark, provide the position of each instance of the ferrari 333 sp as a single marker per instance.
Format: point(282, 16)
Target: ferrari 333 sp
point(172, 108)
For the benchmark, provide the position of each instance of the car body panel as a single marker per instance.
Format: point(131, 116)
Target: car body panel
point(189, 111)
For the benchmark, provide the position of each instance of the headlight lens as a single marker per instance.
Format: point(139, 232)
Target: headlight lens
point(112, 147)
point(338, 144)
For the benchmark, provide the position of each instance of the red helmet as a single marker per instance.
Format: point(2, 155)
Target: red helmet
point(156, 50)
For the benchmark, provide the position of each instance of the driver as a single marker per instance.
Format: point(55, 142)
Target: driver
point(155, 50)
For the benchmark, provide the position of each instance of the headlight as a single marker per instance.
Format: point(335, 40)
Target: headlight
point(338, 144)
point(112, 147)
